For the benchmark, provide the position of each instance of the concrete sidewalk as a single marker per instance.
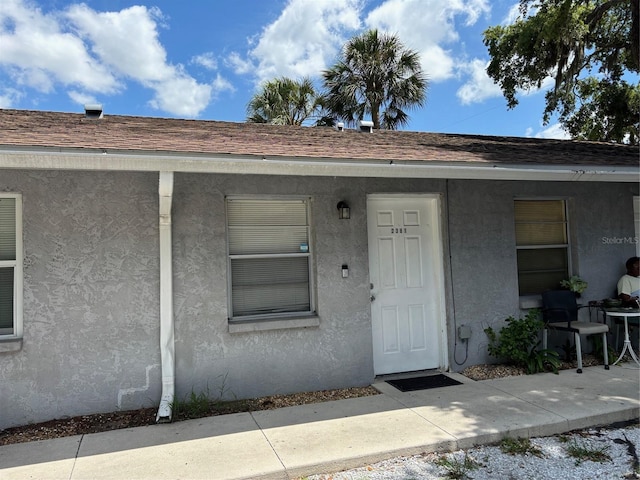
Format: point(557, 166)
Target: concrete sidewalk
point(327, 437)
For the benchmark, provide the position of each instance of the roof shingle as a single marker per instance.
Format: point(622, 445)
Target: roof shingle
point(39, 129)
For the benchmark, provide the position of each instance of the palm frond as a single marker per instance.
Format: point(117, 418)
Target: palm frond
point(375, 76)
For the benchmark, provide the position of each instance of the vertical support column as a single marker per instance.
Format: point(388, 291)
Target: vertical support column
point(167, 346)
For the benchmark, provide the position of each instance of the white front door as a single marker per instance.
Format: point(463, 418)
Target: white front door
point(407, 284)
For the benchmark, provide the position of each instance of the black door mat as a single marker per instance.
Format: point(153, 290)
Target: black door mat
point(423, 383)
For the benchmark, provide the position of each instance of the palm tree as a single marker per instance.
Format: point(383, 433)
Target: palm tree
point(284, 101)
point(376, 75)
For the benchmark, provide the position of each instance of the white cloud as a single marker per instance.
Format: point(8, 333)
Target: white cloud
point(126, 41)
point(512, 15)
point(302, 41)
point(240, 65)
point(206, 60)
point(480, 86)
point(82, 98)
point(428, 27)
point(37, 52)
point(553, 131)
point(180, 95)
point(86, 51)
point(307, 36)
point(221, 84)
point(9, 97)
point(141, 56)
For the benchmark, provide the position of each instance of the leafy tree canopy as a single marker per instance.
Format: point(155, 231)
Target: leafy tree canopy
point(375, 75)
point(284, 101)
point(590, 49)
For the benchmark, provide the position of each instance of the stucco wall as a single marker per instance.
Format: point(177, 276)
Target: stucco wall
point(91, 315)
point(90, 296)
point(483, 256)
point(338, 353)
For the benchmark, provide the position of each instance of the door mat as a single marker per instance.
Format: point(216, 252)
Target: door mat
point(423, 383)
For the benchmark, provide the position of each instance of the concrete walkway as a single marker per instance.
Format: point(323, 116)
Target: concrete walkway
point(326, 437)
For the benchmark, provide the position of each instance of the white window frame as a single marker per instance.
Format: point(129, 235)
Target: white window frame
point(17, 264)
point(287, 317)
point(566, 246)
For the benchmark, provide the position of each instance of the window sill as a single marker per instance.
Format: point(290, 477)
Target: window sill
point(530, 301)
point(278, 324)
point(10, 345)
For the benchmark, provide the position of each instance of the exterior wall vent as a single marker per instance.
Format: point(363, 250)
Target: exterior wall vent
point(340, 126)
point(93, 110)
point(366, 126)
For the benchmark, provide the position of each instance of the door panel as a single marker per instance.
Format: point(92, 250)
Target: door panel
point(407, 283)
point(413, 262)
point(387, 261)
point(417, 325)
point(390, 330)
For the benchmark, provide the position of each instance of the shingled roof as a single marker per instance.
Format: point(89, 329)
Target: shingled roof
point(24, 128)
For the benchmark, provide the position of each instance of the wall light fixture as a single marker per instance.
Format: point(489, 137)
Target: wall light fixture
point(344, 213)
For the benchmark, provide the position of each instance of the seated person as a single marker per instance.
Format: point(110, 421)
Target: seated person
point(629, 284)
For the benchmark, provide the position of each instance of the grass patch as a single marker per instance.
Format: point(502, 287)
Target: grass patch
point(457, 469)
point(583, 452)
point(203, 403)
point(519, 446)
point(194, 405)
point(198, 405)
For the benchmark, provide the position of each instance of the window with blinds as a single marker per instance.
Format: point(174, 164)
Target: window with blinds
point(269, 257)
point(542, 244)
point(9, 263)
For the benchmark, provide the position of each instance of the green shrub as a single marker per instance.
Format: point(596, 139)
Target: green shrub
point(517, 343)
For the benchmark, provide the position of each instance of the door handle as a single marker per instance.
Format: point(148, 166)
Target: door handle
point(372, 298)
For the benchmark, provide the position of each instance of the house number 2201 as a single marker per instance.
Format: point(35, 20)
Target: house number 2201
point(398, 230)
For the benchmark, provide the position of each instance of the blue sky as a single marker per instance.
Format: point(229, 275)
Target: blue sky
point(204, 59)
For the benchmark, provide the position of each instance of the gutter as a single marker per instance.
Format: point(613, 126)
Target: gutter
point(119, 160)
point(167, 344)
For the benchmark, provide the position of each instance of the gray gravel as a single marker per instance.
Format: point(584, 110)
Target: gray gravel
point(621, 447)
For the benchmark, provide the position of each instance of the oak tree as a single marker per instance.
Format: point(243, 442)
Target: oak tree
point(590, 50)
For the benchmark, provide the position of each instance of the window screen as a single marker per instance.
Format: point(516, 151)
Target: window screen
point(7, 264)
point(269, 257)
point(542, 245)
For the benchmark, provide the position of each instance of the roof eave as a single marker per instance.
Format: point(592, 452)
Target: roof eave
point(84, 159)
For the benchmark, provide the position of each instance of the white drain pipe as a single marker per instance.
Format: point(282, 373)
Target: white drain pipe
point(167, 347)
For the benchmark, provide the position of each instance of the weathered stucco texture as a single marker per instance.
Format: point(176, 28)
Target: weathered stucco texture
point(91, 283)
point(90, 296)
point(483, 256)
point(338, 353)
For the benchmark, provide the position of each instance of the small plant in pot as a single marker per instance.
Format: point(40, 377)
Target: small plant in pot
point(574, 284)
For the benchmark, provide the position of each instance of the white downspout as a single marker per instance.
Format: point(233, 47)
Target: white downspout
point(167, 358)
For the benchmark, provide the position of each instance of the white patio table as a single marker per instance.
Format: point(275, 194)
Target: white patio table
point(624, 313)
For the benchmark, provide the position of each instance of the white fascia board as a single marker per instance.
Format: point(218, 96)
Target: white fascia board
point(82, 159)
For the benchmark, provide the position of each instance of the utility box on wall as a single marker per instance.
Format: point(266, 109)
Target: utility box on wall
point(464, 332)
